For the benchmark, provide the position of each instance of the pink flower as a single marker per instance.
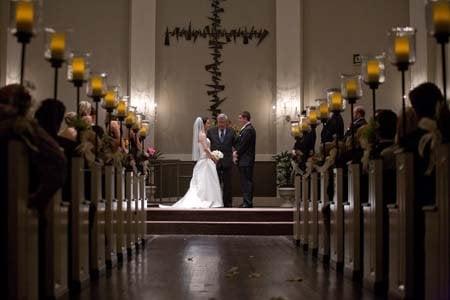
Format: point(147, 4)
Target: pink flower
point(151, 151)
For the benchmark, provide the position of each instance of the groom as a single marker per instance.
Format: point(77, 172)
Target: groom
point(222, 138)
point(245, 157)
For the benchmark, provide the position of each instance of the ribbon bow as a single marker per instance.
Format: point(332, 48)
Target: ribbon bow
point(432, 137)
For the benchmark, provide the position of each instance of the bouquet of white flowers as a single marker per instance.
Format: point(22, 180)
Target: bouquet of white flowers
point(217, 154)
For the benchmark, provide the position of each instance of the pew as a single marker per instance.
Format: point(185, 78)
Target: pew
point(375, 237)
point(401, 235)
point(143, 215)
point(79, 224)
point(337, 221)
point(437, 232)
point(110, 218)
point(297, 207)
point(96, 224)
point(136, 211)
point(121, 237)
point(129, 223)
point(22, 224)
point(304, 213)
point(323, 219)
point(352, 224)
point(313, 214)
point(55, 232)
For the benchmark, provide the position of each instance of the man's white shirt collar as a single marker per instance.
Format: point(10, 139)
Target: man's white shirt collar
point(245, 125)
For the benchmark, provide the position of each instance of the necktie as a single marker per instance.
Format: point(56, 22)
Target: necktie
point(221, 135)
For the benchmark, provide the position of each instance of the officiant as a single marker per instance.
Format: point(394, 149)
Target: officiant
point(222, 138)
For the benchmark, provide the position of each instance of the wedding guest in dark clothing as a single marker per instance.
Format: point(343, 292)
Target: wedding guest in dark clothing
point(424, 99)
point(334, 126)
point(49, 115)
point(359, 120)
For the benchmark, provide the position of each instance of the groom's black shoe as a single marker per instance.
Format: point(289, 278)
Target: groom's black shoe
point(245, 206)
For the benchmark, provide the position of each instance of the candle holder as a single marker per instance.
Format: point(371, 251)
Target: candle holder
point(24, 24)
point(373, 74)
point(122, 112)
point(56, 53)
point(324, 115)
point(337, 105)
point(96, 89)
point(313, 120)
point(402, 53)
point(351, 91)
point(143, 132)
point(78, 73)
point(110, 103)
point(295, 129)
point(129, 122)
point(438, 23)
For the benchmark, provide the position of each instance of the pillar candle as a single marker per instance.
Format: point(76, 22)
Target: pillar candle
point(97, 86)
point(110, 99)
point(323, 110)
point(373, 71)
point(57, 46)
point(130, 119)
point(336, 101)
point(78, 68)
point(313, 117)
point(122, 109)
point(441, 17)
point(351, 87)
point(402, 49)
point(24, 16)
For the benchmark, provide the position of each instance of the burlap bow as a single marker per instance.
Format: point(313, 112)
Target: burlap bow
point(432, 137)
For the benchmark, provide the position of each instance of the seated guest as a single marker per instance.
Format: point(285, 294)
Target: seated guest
point(359, 120)
point(47, 163)
point(424, 99)
point(50, 115)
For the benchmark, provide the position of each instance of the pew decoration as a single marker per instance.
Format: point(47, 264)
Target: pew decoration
point(368, 140)
point(373, 74)
point(56, 52)
point(402, 54)
point(24, 23)
point(438, 23)
point(433, 137)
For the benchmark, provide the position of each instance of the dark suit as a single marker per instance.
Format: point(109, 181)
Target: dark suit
point(245, 147)
point(224, 166)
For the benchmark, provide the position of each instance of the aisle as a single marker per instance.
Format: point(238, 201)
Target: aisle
point(222, 267)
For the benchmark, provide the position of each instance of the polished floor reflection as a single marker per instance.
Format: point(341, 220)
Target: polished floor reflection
point(222, 267)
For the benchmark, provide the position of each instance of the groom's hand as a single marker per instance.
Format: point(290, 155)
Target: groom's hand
point(235, 157)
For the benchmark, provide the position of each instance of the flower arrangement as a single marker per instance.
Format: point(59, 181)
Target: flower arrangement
point(285, 174)
point(217, 154)
point(153, 153)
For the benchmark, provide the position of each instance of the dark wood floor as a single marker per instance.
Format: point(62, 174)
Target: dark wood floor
point(222, 267)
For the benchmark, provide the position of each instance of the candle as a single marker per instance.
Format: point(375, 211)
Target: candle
point(57, 46)
point(336, 101)
point(373, 71)
point(402, 49)
point(130, 119)
point(24, 16)
point(97, 86)
point(312, 117)
point(441, 17)
point(143, 132)
point(351, 86)
point(78, 68)
point(122, 109)
point(110, 100)
point(323, 110)
point(304, 125)
point(295, 129)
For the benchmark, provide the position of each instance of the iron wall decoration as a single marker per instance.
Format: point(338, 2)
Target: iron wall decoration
point(218, 37)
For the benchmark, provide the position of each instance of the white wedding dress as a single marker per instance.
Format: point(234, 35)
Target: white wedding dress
point(204, 190)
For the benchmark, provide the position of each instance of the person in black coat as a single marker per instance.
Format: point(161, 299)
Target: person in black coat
point(223, 139)
point(244, 156)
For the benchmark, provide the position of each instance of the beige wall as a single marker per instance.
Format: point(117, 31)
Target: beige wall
point(335, 30)
point(249, 72)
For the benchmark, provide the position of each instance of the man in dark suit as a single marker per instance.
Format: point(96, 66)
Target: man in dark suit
point(223, 138)
point(244, 156)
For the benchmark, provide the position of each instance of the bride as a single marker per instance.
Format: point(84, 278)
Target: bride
point(204, 190)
